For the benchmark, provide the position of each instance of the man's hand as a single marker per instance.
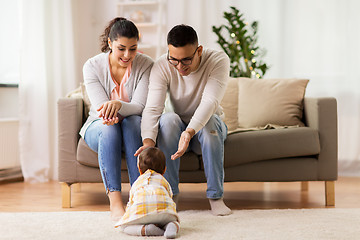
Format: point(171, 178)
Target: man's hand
point(183, 143)
point(108, 112)
point(146, 143)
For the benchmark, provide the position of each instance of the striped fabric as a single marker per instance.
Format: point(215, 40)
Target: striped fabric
point(149, 195)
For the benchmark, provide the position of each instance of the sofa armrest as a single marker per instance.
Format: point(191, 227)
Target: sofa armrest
point(70, 120)
point(321, 114)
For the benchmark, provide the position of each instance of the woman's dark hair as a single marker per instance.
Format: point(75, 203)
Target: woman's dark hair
point(182, 35)
point(118, 27)
point(152, 158)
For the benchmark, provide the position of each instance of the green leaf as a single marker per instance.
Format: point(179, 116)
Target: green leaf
point(247, 38)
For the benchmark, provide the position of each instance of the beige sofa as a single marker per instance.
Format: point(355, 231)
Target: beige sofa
point(302, 154)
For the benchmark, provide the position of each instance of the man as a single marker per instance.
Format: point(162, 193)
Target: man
point(195, 79)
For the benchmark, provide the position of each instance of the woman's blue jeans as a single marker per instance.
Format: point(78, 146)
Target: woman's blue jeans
point(209, 142)
point(109, 142)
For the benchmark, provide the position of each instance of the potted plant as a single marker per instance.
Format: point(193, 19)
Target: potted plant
point(239, 41)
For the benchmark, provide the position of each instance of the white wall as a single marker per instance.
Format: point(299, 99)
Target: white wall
point(90, 18)
point(203, 14)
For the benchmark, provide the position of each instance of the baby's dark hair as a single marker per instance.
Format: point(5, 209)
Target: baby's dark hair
point(182, 35)
point(118, 27)
point(152, 158)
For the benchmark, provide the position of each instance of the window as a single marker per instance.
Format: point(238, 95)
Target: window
point(9, 43)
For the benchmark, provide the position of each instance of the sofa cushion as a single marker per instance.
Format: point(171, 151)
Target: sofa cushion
point(88, 157)
point(252, 146)
point(190, 162)
point(270, 101)
point(85, 155)
point(230, 105)
point(87, 103)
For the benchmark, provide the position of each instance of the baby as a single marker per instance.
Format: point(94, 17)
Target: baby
point(151, 210)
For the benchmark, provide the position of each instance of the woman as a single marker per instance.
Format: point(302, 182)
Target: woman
point(117, 85)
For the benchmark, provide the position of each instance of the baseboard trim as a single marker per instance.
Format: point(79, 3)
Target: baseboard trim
point(9, 175)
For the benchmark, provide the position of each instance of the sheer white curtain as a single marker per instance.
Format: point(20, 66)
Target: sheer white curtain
point(318, 40)
point(46, 73)
point(324, 47)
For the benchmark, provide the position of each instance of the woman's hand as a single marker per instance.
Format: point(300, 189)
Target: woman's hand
point(108, 112)
point(183, 143)
point(111, 121)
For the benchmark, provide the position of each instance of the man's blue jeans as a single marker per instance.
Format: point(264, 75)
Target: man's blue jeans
point(209, 142)
point(108, 142)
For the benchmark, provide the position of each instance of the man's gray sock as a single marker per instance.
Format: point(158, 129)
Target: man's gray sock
point(218, 207)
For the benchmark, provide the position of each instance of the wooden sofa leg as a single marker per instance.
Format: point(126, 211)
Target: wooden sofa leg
point(304, 186)
point(330, 193)
point(66, 195)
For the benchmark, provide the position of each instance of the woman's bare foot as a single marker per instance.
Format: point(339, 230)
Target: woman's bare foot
point(116, 206)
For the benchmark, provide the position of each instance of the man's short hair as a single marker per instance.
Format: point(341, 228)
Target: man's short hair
point(152, 158)
point(182, 35)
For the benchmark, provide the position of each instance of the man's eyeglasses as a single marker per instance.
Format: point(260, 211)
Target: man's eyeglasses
point(185, 61)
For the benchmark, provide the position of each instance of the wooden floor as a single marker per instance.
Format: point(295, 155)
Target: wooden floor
point(26, 197)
